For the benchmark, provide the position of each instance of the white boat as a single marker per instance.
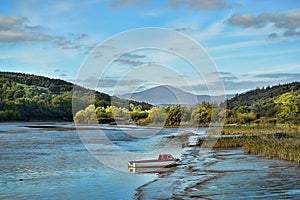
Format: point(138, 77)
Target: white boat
point(164, 160)
point(151, 170)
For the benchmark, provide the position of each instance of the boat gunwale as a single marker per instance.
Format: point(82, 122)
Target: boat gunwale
point(153, 160)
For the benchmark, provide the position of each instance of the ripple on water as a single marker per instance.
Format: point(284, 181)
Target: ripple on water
point(226, 174)
point(39, 163)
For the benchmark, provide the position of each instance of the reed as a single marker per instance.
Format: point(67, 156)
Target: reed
point(281, 142)
point(254, 129)
point(228, 142)
point(271, 146)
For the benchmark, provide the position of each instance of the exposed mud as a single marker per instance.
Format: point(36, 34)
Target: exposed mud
point(225, 174)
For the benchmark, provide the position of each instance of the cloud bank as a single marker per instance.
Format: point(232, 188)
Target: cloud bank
point(16, 29)
point(289, 22)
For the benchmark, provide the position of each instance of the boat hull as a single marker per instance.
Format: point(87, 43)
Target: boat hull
point(140, 164)
point(150, 170)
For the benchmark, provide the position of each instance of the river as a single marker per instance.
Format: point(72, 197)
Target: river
point(49, 161)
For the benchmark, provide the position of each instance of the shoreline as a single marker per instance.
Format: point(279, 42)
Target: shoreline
point(243, 142)
point(222, 173)
point(38, 122)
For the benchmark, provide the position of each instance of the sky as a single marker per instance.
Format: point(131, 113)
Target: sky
point(242, 44)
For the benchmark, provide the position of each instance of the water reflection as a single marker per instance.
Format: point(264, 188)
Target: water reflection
point(152, 170)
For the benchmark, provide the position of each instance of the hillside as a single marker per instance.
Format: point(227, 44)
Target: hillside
point(26, 97)
point(260, 94)
point(280, 103)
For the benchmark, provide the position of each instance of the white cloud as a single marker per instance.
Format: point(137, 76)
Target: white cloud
point(199, 4)
point(289, 22)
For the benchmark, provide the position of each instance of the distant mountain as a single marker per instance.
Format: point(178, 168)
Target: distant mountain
point(168, 95)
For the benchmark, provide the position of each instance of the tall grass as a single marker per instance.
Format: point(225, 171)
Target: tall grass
point(280, 141)
point(286, 148)
point(228, 142)
point(254, 129)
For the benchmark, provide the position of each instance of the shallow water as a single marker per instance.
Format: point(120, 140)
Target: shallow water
point(225, 174)
point(49, 161)
point(50, 164)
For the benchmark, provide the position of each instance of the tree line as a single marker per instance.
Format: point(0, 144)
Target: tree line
point(281, 109)
point(29, 97)
point(25, 97)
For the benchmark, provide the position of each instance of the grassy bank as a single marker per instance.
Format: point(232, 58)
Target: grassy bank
point(254, 129)
point(283, 146)
point(279, 141)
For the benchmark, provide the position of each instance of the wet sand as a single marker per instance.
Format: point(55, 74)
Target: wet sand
point(225, 174)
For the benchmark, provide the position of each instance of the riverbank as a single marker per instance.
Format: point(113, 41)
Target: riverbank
point(277, 141)
point(229, 170)
point(225, 174)
point(254, 129)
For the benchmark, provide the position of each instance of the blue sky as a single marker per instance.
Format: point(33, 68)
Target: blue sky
point(252, 43)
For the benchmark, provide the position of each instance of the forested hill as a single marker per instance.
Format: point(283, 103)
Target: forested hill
point(55, 86)
point(26, 97)
point(251, 97)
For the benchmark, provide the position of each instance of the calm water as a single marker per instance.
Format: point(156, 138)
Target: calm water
point(49, 161)
point(52, 163)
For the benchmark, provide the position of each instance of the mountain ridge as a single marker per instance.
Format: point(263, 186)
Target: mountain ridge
point(169, 95)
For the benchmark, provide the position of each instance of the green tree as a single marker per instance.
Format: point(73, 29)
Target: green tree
point(157, 115)
point(201, 114)
point(100, 112)
point(288, 105)
point(116, 112)
point(265, 108)
point(186, 114)
point(86, 116)
point(90, 115)
point(79, 117)
point(173, 116)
